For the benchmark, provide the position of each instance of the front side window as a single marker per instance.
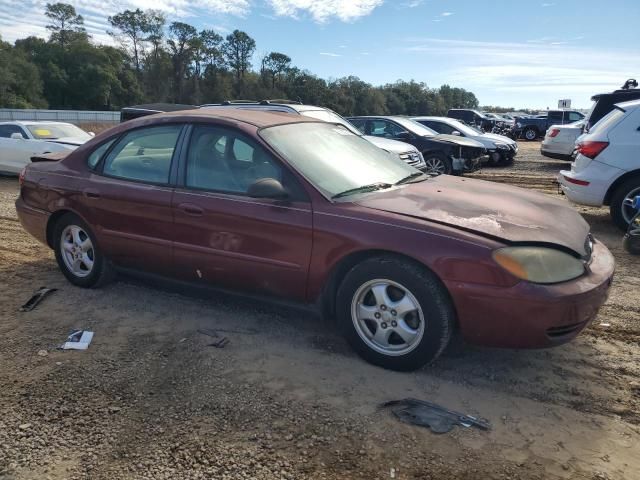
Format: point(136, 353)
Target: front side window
point(333, 159)
point(144, 154)
point(98, 153)
point(383, 128)
point(575, 116)
point(234, 168)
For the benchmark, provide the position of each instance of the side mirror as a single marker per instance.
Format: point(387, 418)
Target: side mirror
point(404, 136)
point(92, 134)
point(267, 188)
point(456, 133)
point(17, 136)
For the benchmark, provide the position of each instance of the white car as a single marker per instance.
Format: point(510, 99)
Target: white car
point(606, 170)
point(501, 150)
point(560, 140)
point(19, 141)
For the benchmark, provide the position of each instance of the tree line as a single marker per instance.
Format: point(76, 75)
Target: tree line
point(157, 61)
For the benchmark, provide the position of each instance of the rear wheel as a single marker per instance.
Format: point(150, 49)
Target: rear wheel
point(437, 164)
point(530, 134)
point(78, 254)
point(621, 208)
point(394, 313)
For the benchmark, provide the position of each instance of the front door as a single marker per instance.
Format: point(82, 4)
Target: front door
point(128, 198)
point(226, 237)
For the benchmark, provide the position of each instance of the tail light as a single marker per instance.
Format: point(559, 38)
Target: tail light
point(554, 132)
point(21, 177)
point(591, 149)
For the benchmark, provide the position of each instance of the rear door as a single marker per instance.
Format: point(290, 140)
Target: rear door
point(128, 197)
point(224, 236)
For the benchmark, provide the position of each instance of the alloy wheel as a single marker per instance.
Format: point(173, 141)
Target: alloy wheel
point(77, 251)
point(628, 211)
point(387, 317)
point(435, 165)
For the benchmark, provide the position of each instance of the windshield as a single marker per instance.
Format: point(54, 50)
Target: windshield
point(415, 127)
point(333, 159)
point(331, 117)
point(464, 129)
point(50, 131)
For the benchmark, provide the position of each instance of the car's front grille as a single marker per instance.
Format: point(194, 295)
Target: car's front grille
point(412, 158)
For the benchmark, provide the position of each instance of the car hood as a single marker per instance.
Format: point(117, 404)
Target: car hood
point(494, 210)
point(389, 145)
point(456, 140)
point(497, 138)
point(68, 141)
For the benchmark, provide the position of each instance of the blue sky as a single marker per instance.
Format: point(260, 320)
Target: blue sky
point(520, 54)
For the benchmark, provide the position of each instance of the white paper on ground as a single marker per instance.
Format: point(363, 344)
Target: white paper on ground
point(81, 344)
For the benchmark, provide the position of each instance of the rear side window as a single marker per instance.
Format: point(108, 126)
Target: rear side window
point(608, 121)
point(7, 130)
point(144, 155)
point(98, 153)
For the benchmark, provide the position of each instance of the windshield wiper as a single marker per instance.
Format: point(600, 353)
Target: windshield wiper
point(364, 189)
point(411, 177)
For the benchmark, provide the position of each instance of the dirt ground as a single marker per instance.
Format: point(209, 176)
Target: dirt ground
point(287, 398)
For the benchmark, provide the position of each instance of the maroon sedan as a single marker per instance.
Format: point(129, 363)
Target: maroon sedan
point(292, 207)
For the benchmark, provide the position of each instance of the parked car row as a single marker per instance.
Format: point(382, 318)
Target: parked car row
point(288, 205)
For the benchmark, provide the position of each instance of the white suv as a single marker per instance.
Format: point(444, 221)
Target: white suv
point(606, 170)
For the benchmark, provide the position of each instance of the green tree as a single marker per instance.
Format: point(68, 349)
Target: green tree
point(66, 25)
point(275, 64)
point(133, 25)
point(183, 42)
point(238, 49)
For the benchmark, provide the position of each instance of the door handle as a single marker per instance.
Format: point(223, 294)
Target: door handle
point(191, 209)
point(90, 193)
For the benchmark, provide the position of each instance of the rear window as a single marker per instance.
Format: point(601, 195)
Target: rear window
point(608, 121)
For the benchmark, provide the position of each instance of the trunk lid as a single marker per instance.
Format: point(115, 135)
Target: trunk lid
point(510, 214)
point(49, 157)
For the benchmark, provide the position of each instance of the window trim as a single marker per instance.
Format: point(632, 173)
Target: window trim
point(181, 170)
point(98, 165)
point(99, 170)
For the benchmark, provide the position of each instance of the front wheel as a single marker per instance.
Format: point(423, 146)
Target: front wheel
point(78, 254)
point(621, 207)
point(437, 164)
point(394, 313)
point(530, 134)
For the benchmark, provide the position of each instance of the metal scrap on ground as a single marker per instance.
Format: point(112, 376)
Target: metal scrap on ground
point(36, 298)
point(430, 415)
point(78, 340)
point(221, 343)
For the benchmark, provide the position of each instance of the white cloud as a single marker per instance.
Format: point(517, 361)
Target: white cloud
point(413, 3)
point(330, 54)
point(548, 67)
point(323, 10)
point(446, 14)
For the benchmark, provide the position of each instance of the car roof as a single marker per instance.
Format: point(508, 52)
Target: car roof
point(26, 123)
point(257, 118)
point(632, 104)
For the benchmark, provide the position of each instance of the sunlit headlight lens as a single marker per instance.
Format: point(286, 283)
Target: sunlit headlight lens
point(539, 264)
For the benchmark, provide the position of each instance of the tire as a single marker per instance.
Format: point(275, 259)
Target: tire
point(437, 163)
point(631, 244)
point(425, 316)
point(492, 161)
point(70, 232)
point(530, 134)
point(621, 214)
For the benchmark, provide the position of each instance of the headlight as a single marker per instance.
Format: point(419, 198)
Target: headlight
point(518, 125)
point(539, 264)
point(502, 146)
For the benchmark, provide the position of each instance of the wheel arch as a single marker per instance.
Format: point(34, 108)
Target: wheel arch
point(619, 181)
point(329, 293)
point(53, 219)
